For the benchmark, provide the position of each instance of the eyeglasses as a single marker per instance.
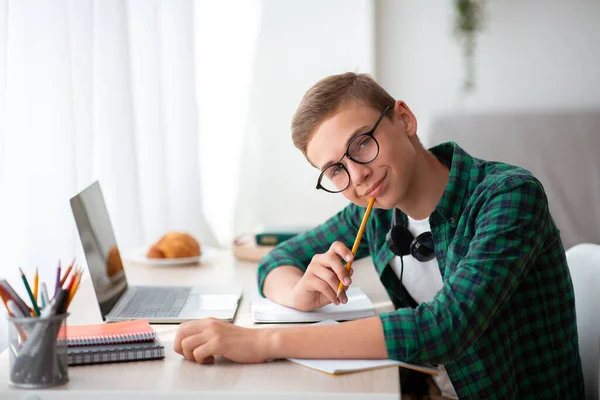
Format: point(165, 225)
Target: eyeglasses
point(362, 149)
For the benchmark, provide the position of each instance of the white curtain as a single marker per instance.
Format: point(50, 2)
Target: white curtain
point(109, 90)
point(98, 90)
point(180, 108)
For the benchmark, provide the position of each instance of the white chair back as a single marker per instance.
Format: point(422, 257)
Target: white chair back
point(584, 266)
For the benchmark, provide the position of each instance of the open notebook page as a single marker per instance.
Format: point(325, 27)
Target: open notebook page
point(358, 306)
point(344, 366)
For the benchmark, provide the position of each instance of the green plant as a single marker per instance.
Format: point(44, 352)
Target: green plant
point(468, 22)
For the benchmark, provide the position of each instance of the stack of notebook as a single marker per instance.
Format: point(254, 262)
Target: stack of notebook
point(113, 342)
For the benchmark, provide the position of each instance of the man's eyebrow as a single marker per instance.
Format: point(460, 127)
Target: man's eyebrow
point(356, 132)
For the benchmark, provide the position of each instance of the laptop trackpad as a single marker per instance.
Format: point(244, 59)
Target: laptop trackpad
point(214, 302)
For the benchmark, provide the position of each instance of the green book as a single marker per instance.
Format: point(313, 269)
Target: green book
point(273, 235)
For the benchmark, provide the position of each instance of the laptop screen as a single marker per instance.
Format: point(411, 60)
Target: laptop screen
point(100, 246)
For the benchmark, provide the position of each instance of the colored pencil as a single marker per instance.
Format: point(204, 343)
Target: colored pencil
point(73, 290)
point(36, 309)
point(66, 275)
point(57, 285)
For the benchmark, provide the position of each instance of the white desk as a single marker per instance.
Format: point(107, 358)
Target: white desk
point(175, 376)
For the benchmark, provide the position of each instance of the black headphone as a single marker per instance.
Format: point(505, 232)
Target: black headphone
point(401, 242)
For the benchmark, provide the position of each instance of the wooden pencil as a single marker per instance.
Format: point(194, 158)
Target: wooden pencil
point(357, 240)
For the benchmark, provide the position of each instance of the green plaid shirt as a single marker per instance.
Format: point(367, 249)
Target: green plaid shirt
point(503, 323)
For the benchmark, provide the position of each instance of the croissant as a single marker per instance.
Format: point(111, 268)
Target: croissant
point(175, 245)
point(113, 261)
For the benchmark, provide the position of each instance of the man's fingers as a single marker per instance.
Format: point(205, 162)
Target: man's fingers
point(330, 269)
point(177, 341)
point(177, 344)
point(209, 360)
point(190, 343)
point(184, 330)
point(337, 250)
point(329, 277)
point(203, 354)
point(343, 297)
point(187, 328)
point(341, 250)
point(333, 262)
point(323, 287)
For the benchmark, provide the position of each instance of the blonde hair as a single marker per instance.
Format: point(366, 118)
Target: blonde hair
point(328, 95)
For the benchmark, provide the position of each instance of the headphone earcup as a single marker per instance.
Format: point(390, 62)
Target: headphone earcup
point(390, 242)
point(422, 247)
point(398, 240)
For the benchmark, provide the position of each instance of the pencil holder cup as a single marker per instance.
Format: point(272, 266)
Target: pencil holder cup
point(38, 351)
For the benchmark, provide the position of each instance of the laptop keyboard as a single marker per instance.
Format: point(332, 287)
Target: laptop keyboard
point(156, 302)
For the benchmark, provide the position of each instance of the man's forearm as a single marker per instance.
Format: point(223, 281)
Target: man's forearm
point(362, 338)
point(279, 283)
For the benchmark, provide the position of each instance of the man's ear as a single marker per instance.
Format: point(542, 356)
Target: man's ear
point(405, 117)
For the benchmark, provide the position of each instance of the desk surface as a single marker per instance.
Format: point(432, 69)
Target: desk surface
point(223, 379)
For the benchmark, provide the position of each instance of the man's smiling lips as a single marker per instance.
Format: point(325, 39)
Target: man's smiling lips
point(375, 188)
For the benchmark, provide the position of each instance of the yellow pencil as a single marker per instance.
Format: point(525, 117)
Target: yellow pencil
point(36, 283)
point(357, 240)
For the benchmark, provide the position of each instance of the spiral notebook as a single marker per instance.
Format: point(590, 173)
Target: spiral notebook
point(114, 353)
point(110, 333)
point(359, 306)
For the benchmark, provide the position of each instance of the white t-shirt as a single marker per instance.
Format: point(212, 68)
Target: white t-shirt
point(422, 281)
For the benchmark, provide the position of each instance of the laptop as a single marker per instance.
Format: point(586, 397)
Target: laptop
point(119, 301)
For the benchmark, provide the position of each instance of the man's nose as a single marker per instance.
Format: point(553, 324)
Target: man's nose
point(359, 173)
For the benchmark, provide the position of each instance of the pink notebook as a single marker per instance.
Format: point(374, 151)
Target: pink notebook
point(110, 333)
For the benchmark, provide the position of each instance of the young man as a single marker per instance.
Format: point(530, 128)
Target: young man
point(483, 290)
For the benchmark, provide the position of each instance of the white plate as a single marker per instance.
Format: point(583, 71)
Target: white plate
point(139, 256)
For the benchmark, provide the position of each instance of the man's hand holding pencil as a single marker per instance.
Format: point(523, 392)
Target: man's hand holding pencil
point(326, 276)
point(318, 285)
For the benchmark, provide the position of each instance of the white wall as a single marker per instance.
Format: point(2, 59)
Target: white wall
point(532, 54)
point(299, 43)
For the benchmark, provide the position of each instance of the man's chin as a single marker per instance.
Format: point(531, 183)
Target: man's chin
point(384, 203)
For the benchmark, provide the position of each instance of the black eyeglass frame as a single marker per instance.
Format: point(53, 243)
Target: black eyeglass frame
point(347, 154)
